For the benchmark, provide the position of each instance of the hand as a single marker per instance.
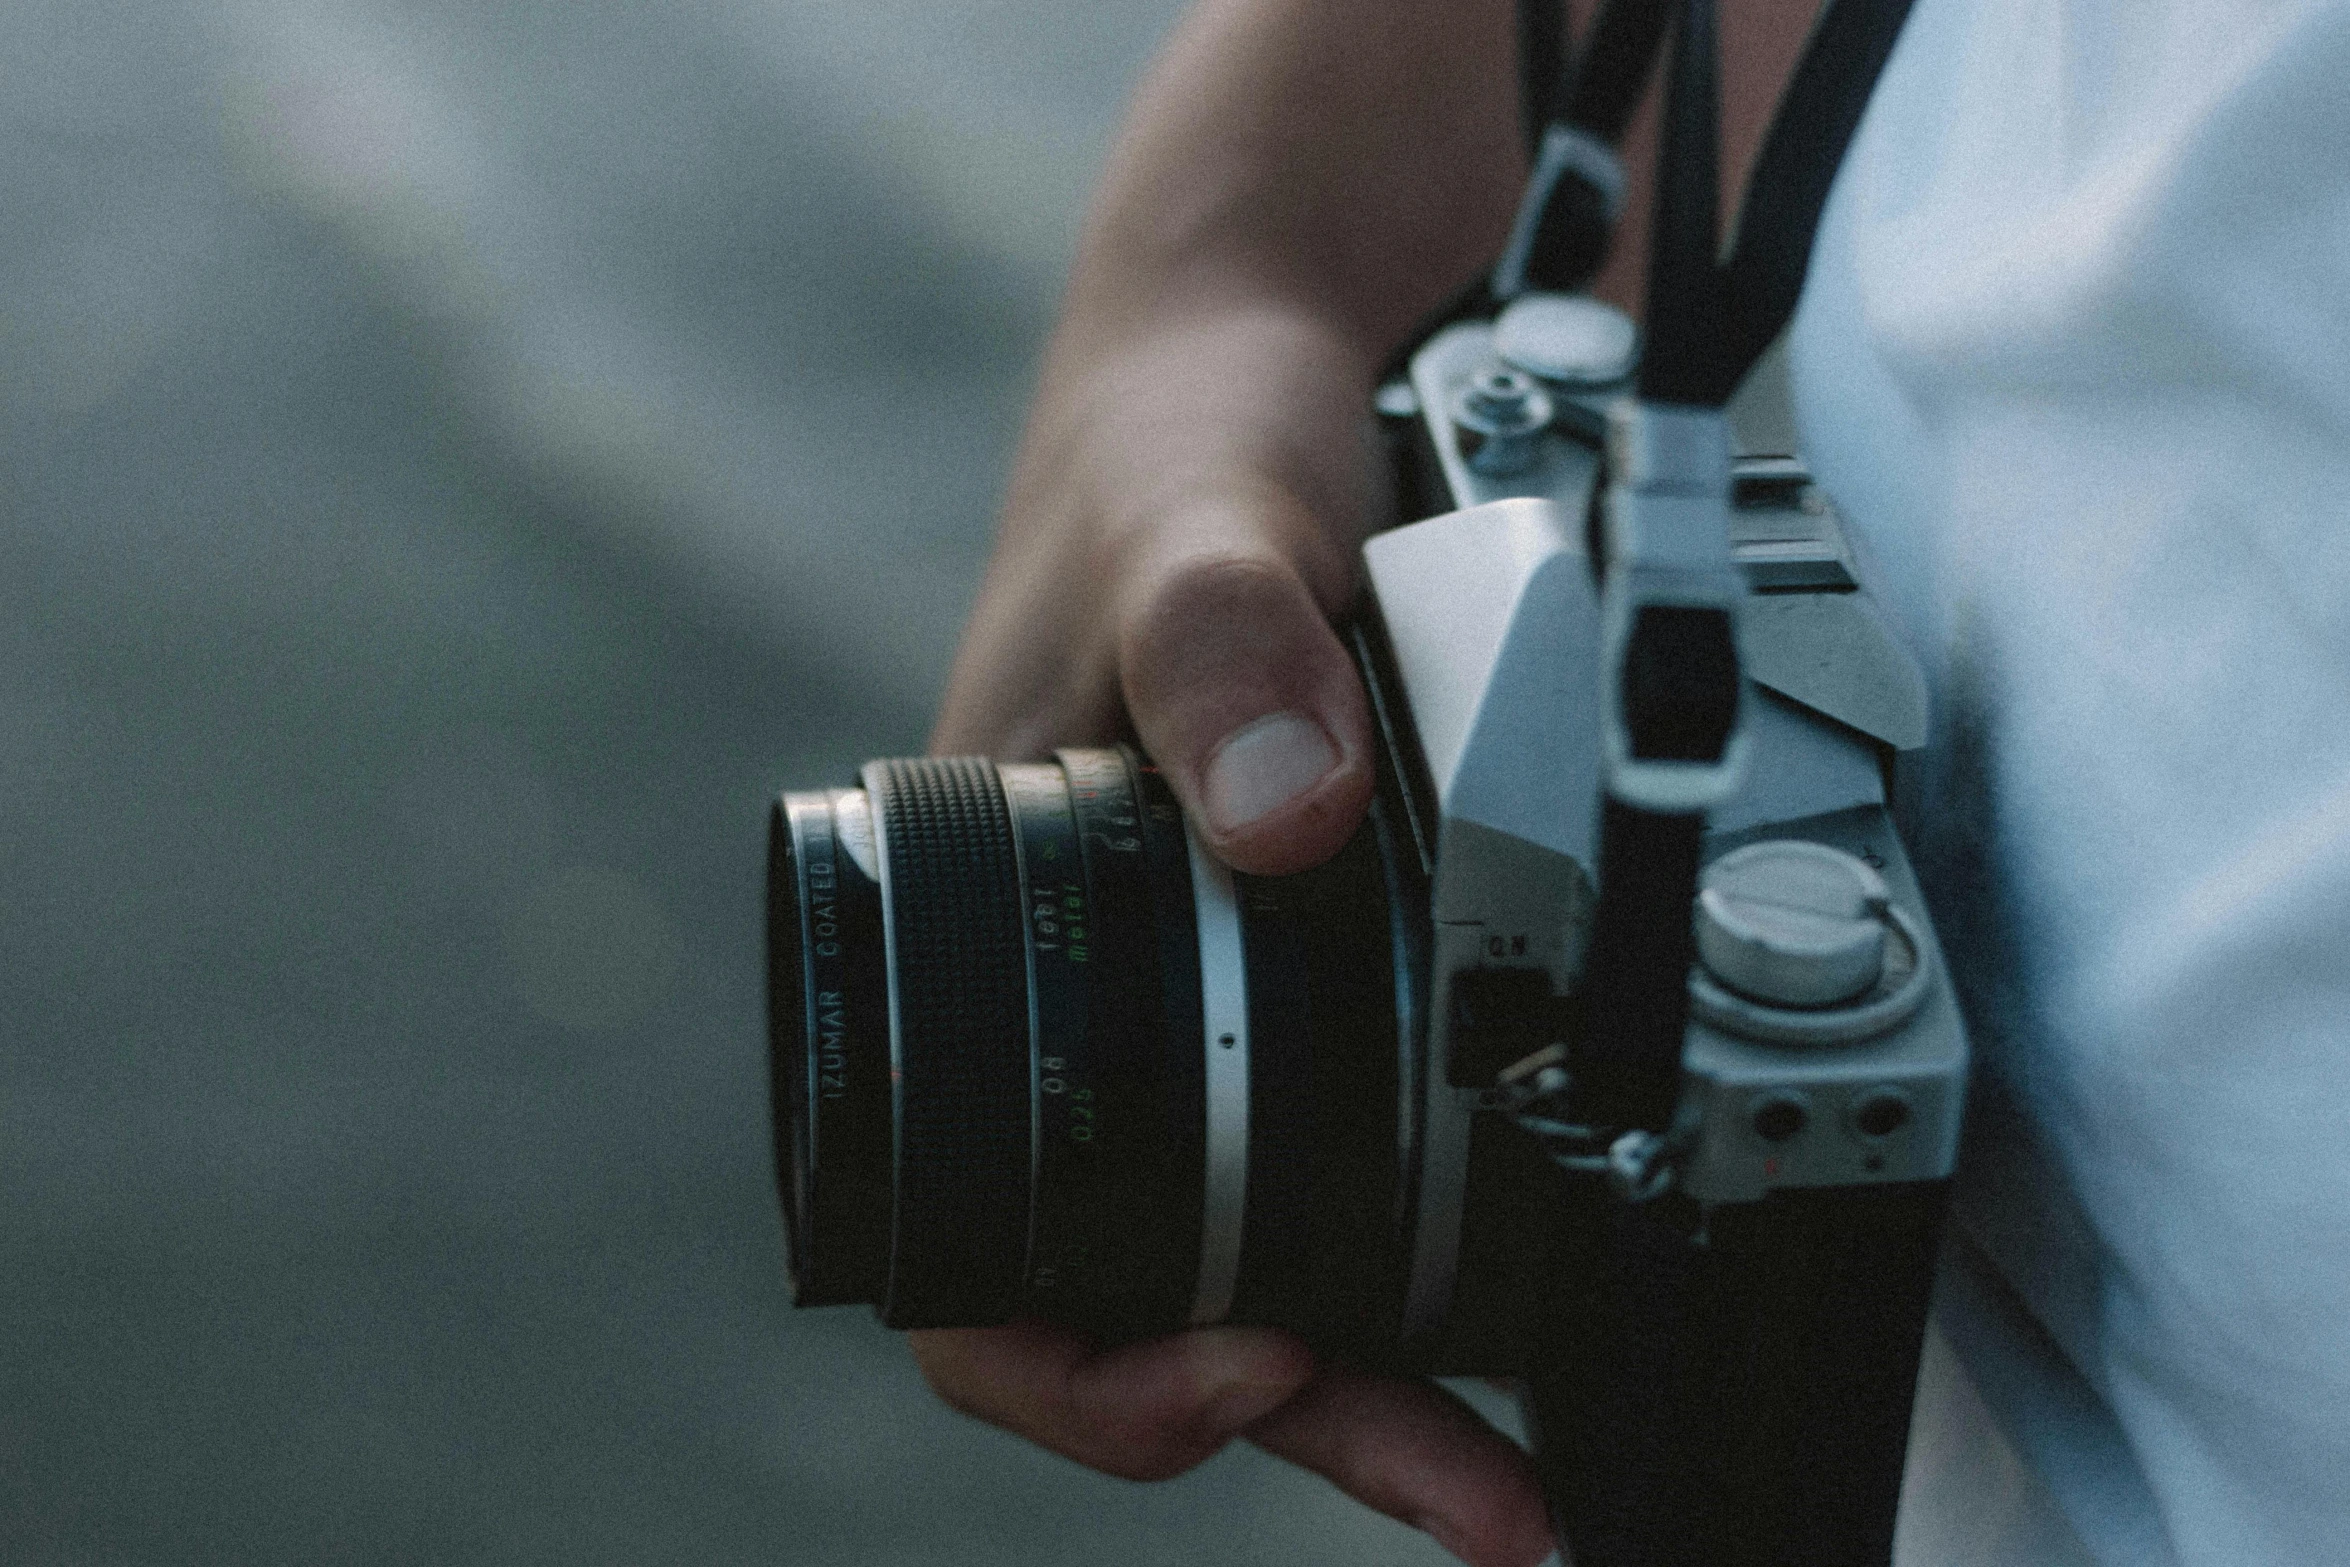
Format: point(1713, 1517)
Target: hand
point(1150, 1411)
point(1182, 527)
point(1300, 181)
point(1185, 520)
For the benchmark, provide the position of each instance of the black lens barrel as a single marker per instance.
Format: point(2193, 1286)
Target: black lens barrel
point(986, 1043)
point(1116, 1130)
point(991, 1057)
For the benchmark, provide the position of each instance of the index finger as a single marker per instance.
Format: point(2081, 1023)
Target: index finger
point(1152, 1410)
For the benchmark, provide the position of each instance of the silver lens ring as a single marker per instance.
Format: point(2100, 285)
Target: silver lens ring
point(1223, 984)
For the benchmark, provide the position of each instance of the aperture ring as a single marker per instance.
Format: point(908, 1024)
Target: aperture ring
point(1071, 1103)
point(959, 1041)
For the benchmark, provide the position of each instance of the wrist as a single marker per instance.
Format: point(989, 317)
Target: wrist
point(1233, 397)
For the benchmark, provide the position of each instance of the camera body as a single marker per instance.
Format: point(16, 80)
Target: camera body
point(1036, 1053)
point(1485, 636)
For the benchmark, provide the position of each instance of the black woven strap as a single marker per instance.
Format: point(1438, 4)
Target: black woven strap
point(1626, 1053)
point(1611, 69)
point(1814, 125)
point(1542, 63)
point(1818, 112)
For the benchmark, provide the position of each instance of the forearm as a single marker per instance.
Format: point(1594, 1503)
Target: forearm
point(1298, 182)
point(1355, 159)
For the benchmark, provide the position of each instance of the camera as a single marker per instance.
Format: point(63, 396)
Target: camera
point(1615, 1051)
point(1036, 1053)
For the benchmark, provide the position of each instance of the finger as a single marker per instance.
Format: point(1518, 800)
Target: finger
point(1144, 1411)
point(1240, 690)
point(1416, 1453)
point(1035, 669)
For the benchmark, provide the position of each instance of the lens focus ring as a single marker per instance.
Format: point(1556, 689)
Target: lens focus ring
point(959, 975)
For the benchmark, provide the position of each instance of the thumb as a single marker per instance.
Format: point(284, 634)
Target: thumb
point(1243, 695)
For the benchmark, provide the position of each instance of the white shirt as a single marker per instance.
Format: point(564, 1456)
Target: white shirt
point(2074, 359)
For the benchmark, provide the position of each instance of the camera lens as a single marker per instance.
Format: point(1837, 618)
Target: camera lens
point(1036, 1053)
point(1016, 1070)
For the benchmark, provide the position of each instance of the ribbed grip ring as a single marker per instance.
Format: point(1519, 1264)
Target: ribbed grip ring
point(958, 970)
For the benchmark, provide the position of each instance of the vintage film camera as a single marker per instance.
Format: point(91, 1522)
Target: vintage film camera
point(1614, 1051)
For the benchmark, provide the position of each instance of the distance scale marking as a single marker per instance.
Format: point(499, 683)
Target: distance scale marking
point(1063, 1091)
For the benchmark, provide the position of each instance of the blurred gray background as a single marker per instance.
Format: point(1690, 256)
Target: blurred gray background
point(457, 457)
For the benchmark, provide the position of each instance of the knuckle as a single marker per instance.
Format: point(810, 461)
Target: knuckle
point(1210, 629)
point(1218, 587)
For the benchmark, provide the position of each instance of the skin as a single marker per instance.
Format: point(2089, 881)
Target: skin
point(1299, 182)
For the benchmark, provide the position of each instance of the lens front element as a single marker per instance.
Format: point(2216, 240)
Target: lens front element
point(828, 1007)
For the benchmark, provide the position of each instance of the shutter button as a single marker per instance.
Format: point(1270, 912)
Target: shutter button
point(1499, 418)
point(1792, 923)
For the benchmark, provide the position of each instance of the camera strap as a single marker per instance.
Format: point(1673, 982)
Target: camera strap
point(1576, 113)
point(1719, 1385)
point(1670, 589)
point(1573, 113)
point(1574, 118)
